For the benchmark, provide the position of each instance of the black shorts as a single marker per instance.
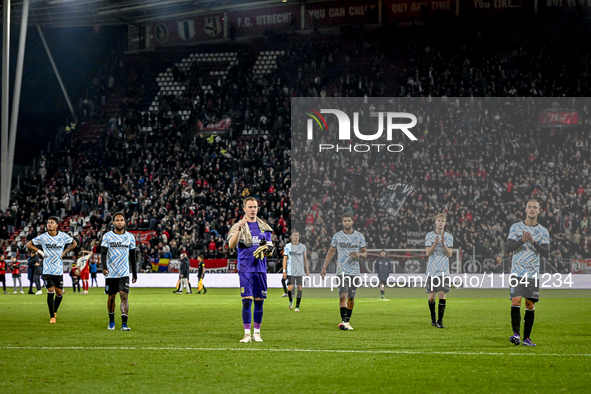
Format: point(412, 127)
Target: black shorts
point(53, 281)
point(439, 283)
point(93, 275)
point(348, 285)
point(2, 278)
point(295, 280)
point(531, 290)
point(115, 285)
point(383, 281)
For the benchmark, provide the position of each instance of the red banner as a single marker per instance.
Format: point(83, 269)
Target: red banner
point(398, 10)
point(332, 13)
point(580, 266)
point(560, 118)
point(211, 264)
point(255, 21)
point(143, 237)
point(496, 6)
point(201, 28)
point(222, 124)
point(233, 266)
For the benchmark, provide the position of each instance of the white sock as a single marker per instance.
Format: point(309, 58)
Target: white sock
point(246, 332)
point(257, 330)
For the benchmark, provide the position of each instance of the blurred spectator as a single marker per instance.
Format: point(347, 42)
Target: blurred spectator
point(35, 270)
point(3, 272)
point(16, 274)
point(75, 275)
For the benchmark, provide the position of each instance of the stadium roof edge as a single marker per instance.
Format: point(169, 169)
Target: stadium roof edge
point(76, 13)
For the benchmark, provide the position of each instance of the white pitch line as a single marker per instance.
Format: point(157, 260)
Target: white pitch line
point(249, 349)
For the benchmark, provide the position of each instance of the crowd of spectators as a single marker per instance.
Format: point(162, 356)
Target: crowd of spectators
point(477, 161)
point(478, 169)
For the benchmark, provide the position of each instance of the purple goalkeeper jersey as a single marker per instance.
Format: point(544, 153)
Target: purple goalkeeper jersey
point(246, 260)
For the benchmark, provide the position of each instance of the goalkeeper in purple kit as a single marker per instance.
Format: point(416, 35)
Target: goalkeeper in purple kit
point(252, 237)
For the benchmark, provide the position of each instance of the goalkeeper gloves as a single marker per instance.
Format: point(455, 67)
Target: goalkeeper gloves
point(41, 253)
point(263, 250)
point(260, 252)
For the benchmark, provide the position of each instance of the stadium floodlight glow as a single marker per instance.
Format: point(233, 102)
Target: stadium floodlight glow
point(141, 7)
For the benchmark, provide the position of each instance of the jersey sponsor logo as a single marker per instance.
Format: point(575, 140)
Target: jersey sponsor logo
point(53, 246)
point(118, 245)
point(347, 245)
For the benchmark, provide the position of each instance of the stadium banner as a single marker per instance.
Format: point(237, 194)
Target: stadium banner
point(367, 281)
point(211, 265)
point(330, 13)
point(253, 22)
point(174, 265)
point(415, 238)
point(401, 10)
point(232, 266)
point(558, 118)
point(580, 266)
point(394, 196)
point(188, 30)
point(496, 7)
point(553, 6)
point(143, 237)
point(212, 122)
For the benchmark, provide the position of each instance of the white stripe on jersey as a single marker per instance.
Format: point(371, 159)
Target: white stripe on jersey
point(295, 259)
point(53, 247)
point(118, 254)
point(526, 260)
point(345, 244)
point(438, 263)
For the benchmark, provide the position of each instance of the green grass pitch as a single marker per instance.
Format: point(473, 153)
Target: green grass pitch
point(188, 344)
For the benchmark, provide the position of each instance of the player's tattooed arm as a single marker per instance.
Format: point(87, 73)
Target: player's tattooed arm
point(362, 253)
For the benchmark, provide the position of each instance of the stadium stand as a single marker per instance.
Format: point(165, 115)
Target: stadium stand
point(139, 151)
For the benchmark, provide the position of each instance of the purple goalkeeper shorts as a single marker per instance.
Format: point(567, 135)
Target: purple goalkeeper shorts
point(253, 284)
